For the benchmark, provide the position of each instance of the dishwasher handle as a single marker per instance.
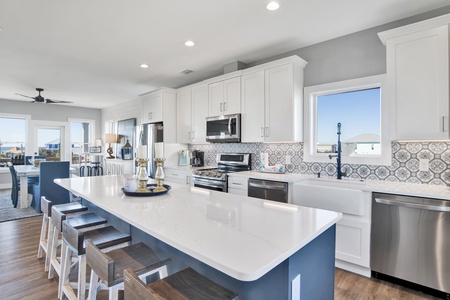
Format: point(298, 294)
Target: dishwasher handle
point(413, 205)
point(267, 185)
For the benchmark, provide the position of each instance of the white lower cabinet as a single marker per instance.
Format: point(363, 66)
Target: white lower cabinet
point(353, 245)
point(237, 185)
point(177, 175)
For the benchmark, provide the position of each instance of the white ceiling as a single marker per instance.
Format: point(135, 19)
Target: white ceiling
point(89, 52)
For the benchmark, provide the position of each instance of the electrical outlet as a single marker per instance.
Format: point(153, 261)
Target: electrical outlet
point(424, 165)
point(296, 288)
point(288, 160)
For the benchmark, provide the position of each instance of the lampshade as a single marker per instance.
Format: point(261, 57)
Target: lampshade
point(110, 138)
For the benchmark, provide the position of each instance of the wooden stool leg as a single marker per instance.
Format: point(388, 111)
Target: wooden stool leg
point(43, 238)
point(53, 250)
point(63, 265)
point(93, 286)
point(81, 292)
point(113, 294)
point(65, 270)
point(50, 245)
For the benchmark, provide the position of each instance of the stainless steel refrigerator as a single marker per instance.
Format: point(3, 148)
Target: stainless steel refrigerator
point(149, 135)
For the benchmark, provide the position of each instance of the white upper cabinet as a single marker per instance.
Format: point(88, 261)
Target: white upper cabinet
point(184, 116)
point(253, 108)
point(418, 79)
point(199, 113)
point(272, 102)
point(192, 110)
point(225, 97)
point(160, 106)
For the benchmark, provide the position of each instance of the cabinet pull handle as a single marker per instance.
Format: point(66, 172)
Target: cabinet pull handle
point(225, 106)
point(221, 104)
point(444, 123)
point(261, 132)
point(193, 135)
point(267, 131)
point(149, 115)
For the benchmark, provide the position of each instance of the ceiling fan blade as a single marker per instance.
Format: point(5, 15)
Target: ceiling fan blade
point(25, 96)
point(56, 101)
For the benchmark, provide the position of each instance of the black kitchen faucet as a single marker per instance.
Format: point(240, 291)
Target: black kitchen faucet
point(338, 154)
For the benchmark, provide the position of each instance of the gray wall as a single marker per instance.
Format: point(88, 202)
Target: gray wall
point(352, 56)
point(52, 112)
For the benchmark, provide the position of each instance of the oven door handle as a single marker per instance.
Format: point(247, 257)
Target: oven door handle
point(413, 205)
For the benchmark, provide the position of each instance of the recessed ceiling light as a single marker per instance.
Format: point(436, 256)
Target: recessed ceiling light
point(189, 43)
point(273, 5)
point(144, 66)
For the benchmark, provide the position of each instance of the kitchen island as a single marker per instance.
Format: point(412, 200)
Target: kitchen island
point(251, 246)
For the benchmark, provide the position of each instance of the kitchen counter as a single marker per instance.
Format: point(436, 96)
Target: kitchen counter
point(400, 188)
point(197, 221)
point(245, 238)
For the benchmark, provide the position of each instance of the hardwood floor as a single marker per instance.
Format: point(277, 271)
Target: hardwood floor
point(22, 274)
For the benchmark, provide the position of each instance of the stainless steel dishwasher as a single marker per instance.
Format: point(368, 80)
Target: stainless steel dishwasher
point(410, 240)
point(268, 189)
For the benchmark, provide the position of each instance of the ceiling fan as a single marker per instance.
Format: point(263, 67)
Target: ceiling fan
point(41, 99)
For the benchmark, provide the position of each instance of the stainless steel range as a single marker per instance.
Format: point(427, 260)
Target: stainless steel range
point(216, 178)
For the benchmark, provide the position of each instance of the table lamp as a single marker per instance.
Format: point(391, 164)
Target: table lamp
point(110, 138)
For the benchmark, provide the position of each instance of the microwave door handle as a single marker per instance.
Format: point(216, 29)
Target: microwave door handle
point(229, 125)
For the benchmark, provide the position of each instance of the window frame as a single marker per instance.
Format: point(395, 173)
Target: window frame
point(27, 119)
point(310, 120)
point(91, 131)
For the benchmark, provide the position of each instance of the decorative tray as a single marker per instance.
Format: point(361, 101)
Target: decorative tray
point(150, 192)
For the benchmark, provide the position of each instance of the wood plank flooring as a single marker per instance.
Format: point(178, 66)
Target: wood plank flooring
point(22, 274)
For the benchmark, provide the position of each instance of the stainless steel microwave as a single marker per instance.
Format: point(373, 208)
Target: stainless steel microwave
point(223, 129)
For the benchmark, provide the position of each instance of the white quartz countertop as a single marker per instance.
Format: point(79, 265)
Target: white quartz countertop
point(239, 236)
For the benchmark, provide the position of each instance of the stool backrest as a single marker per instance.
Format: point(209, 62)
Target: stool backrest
point(48, 171)
point(15, 185)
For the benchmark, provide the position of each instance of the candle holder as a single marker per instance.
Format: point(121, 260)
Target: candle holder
point(142, 175)
point(159, 175)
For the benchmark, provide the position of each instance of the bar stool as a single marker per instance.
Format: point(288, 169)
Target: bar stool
point(183, 285)
point(103, 238)
point(46, 241)
point(83, 220)
point(109, 266)
point(96, 169)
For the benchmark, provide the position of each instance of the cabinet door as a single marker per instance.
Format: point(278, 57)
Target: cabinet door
point(184, 116)
point(418, 84)
point(216, 100)
point(279, 104)
point(152, 108)
point(252, 119)
point(199, 113)
point(232, 96)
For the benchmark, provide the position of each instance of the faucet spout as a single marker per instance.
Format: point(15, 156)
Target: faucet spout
point(338, 154)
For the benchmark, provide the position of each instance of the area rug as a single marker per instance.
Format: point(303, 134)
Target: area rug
point(9, 213)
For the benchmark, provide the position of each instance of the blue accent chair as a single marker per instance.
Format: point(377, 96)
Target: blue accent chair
point(27, 158)
point(48, 171)
point(16, 185)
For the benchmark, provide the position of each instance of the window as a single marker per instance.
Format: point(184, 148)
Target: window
point(359, 105)
point(81, 138)
point(13, 135)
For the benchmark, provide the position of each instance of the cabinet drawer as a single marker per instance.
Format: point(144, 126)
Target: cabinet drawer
point(239, 183)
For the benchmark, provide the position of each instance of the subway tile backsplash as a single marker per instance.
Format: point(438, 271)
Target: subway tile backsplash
point(404, 167)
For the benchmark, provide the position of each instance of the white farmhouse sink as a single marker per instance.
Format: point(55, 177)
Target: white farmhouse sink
point(338, 195)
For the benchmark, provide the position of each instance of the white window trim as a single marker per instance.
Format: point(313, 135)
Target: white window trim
point(35, 125)
point(27, 118)
point(91, 122)
point(310, 120)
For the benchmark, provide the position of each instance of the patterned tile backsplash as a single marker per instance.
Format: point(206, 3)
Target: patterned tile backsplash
point(404, 167)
